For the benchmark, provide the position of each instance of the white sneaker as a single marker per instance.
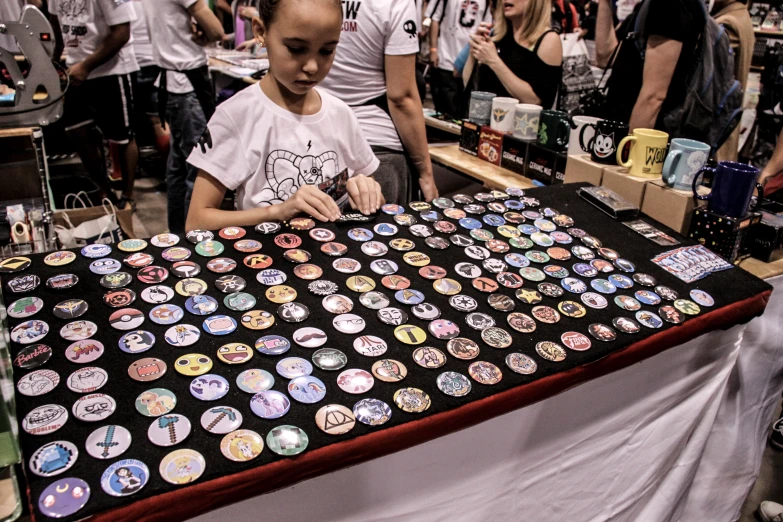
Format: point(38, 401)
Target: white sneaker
point(770, 511)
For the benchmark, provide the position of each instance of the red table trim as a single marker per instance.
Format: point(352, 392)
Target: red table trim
point(200, 498)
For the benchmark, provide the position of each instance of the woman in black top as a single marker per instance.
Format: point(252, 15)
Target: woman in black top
point(523, 58)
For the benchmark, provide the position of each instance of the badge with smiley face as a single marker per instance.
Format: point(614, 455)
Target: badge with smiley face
point(235, 353)
point(280, 294)
point(193, 364)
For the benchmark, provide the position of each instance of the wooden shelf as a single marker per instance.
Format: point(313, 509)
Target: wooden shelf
point(773, 34)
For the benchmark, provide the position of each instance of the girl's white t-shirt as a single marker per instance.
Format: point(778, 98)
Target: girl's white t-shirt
point(266, 153)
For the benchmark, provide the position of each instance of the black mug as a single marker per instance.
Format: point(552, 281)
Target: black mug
point(603, 146)
point(732, 188)
point(554, 130)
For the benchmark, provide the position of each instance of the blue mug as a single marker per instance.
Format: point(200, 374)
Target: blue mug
point(685, 159)
point(732, 188)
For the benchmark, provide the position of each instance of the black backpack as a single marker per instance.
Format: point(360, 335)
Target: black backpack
point(713, 102)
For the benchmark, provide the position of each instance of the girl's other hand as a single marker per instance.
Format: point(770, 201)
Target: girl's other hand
point(364, 193)
point(310, 200)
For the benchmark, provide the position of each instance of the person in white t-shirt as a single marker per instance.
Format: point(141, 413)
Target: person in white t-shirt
point(185, 97)
point(453, 21)
point(279, 142)
point(100, 60)
point(374, 72)
point(10, 11)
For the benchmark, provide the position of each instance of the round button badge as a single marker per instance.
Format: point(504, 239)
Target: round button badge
point(25, 307)
point(94, 407)
point(329, 359)
point(53, 458)
point(429, 357)
point(372, 412)
point(412, 400)
point(29, 332)
point(193, 364)
point(182, 335)
point(147, 369)
point(45, 419)
point(182, 466)
point(453, 384)
point(242, 445)
point(125, 477)
point(108, 442)
point(169, 430)
point(30, 282)
point(272, 345)
point(521, 363)
point(155, 402)
point(33, 356)
point(287, 440)
point(221, 419)
point(209, 387)
point(235, 353)
point(87, 380)
point(64, 497)
point(307, 389)
point(270, 404)
point(255, 380)
point(335, 419)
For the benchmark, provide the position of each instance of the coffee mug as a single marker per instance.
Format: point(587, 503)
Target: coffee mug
point(648, 150)
point(503, 114)
point(554, 130)
point(526, 121)
point(685, 159)
point(480, 108)
point(582, 134)
point(732, 188)
point(606, 135)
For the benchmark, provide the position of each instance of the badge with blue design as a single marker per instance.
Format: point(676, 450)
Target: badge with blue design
point(493, 220)
point(273, 344)
point(105, 266)
point(96, 250)
point(603, 286)
point(385, 229)
point(307, 389)
point(470, 223)
point(647, 297)
point(201, 305)
point(621, 281)
point(585, 270)
point(409, 296)
point(517, 260)
point(219, 325)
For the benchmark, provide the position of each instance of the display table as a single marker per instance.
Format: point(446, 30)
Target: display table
point(738, 298)
point(488, 174)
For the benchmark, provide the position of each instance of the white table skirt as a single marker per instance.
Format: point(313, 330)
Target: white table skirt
point(678, 436)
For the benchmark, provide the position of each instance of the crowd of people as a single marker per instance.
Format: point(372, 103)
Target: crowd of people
point(343, 89)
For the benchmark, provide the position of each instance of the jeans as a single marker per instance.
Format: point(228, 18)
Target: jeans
point(187, 123)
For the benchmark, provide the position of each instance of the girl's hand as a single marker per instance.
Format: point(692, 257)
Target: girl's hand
point(364, 194)
point(483, 49)
point(312, 201)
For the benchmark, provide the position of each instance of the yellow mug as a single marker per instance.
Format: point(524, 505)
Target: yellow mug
point(648, 152)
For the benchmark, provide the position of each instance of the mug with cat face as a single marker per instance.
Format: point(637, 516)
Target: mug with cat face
point(503, 114)
point(608, 135)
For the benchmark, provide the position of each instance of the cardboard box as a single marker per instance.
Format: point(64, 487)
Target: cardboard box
point(673, 208)
point(629, 187)
point(540, 164)
point(581, 168)
point(490, 147)
point(514, 154)
point(561, 162)
point(726, 236)
point(469, 137)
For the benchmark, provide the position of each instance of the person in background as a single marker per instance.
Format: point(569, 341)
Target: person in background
point(734, 16)
point(100, 62)
point(453, 21)
point(523, 58)
point(565, 16)
point(277, 141)
point(772, 180)
point(147, 122)
point(640, 91)
point(10, 11)
point(374, 71)
point(185, 97)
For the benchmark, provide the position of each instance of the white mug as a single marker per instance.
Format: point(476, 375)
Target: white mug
point(526, 121)
point(578, 122)
point(502, 118)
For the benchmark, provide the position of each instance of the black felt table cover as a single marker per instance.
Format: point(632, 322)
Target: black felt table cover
point(726, 287)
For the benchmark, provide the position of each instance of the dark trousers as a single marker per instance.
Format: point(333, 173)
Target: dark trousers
point(186, 121)
point(446, 91)
point(394, 175)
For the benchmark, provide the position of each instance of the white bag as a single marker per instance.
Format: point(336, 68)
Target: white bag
point(577, 74)
point(103, 228)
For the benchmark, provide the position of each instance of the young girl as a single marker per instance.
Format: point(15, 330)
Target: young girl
point(275, 142)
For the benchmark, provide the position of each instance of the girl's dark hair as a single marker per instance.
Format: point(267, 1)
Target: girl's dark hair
point(267, 9)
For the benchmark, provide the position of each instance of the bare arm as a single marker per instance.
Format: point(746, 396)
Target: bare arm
point(605, 37)
point(406, 112)
point(434, 31)
point(205, 214)
point(775, 165)
point(118, 36)
point(659, 64)
point(484, 51)
point(35, 3)
point(211, 30)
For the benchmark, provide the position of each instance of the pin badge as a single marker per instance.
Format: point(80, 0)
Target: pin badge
point(521, 363)
point(209, 387)
point(169, 430)
point(53, 458)
point(45, 419)
point(155, 402)
point(125, 477)
point(108, 442)
point(242, 445)
point(64, 497)
point(412, 400)
point(87, 380)
point(94, 407)
point(453, 384)
point(221, 419)
point(182, 466)
point(287, 440)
